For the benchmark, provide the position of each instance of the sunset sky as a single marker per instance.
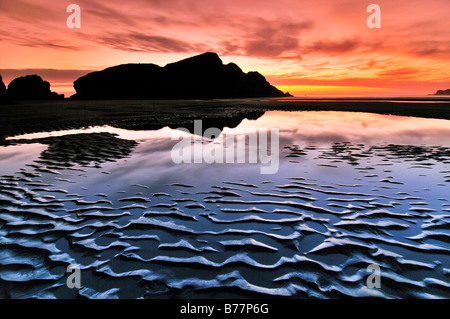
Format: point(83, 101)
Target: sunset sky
point(321, 47)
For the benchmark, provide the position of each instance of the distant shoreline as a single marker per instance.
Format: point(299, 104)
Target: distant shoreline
point(44, 116)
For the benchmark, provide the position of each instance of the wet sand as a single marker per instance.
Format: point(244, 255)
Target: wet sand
point(38, 116)
point(300, 235)
point(140, 226)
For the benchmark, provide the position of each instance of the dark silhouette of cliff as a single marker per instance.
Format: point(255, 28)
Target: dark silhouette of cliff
point(3, 92)
point(442, 92)
point(2, 86)
point(200, 77)
point(31, 87)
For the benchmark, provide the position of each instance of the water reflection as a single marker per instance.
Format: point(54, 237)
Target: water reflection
point(298, 129)
point(352, 190)
point(366, 128)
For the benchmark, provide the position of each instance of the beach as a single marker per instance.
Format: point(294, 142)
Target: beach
point(352, 190)
point(35, 116)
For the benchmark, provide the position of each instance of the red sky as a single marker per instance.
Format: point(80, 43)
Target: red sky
point(305, 47)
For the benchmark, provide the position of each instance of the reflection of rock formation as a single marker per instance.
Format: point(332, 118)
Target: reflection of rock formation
point(199, 77)
point(30, 118)
point(217, 119)
point(94, 148)
point(31, 87)
point(220, 122)
point(82, 149)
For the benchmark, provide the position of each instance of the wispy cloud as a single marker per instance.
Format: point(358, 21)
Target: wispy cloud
point(140, 42)
point(297, 39)
point(331, 46)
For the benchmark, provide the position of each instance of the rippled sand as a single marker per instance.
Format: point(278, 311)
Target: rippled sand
point(140, 226)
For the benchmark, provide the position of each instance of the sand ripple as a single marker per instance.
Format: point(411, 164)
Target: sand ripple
point(290, 236)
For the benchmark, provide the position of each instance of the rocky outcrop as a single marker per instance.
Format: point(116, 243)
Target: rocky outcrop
point(31, 87)
point(442, 92)
point(3, 92)
point(2, 87)
point(199, 77)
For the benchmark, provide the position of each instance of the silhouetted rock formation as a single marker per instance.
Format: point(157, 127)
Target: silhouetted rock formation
point(2, 86)
point(3, 92)
point(200, 77)
point(442, 92)
point(31, 87)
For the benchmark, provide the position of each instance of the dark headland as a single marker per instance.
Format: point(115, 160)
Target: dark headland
point(29, 87)
point(2, 86)
point(442, 92)
point(149, 97)
point(199, 77)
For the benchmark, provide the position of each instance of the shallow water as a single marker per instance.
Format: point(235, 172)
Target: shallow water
point(352, 189)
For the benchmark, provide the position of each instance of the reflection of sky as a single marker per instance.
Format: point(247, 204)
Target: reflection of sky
point(302, 128)
point(367, 128)
point(14, 157)
point(321, 127)
point(151, 164)
point(334, 184)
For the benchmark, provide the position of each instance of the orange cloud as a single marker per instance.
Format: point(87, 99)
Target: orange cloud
point(319, 43)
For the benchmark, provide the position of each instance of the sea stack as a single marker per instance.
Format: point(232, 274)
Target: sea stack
point(2, 86)
point(200, 77)
point(31, 87)
point(3, 92)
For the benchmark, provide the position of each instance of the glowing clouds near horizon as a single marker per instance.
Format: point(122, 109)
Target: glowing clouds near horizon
point(301, 41)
